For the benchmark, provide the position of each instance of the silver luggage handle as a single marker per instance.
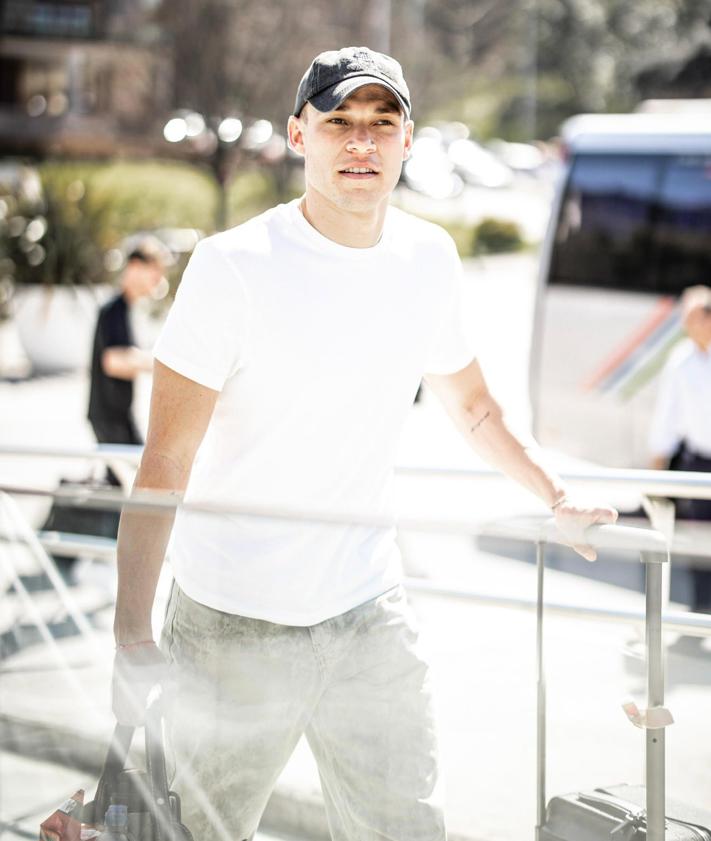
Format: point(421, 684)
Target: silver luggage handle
point(654, 550)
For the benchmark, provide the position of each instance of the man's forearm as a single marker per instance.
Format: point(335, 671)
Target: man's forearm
point(142, 543)
point(485, 427)
point(126, 363)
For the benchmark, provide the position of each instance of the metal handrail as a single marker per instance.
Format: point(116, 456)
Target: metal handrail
point(145, 500)
point(100, 452)
point(689, 624)
point(530, 529)
point(521, 528)
point(686, 484)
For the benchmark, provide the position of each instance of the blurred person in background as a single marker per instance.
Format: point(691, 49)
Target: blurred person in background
point(283, 377)
point(680, 436)
point(116, 361)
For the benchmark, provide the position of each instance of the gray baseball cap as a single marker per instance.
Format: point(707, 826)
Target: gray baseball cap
point(335, 75)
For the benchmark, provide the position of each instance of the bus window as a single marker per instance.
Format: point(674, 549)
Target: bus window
point(605, 229)
point(684, 244)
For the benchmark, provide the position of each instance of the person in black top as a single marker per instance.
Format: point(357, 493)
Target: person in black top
point(116, 361)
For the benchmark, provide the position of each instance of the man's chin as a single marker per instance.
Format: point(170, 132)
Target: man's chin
point(361, 199)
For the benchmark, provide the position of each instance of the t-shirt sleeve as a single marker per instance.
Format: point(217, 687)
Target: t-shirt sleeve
point(453, 348)
point(204, 337)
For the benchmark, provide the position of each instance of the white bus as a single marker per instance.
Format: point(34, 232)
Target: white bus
point(630, 229)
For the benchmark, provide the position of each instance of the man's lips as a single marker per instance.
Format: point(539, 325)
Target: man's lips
point(358, 172)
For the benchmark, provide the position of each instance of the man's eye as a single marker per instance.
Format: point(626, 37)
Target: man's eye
point(385, 123)
point(338, 121)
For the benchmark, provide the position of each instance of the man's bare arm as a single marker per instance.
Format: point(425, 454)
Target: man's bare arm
point(125, 363)
point(179, 415)
point(481, 420)
point(479, 417)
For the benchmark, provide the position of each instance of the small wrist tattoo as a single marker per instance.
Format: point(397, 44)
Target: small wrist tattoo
point(479, 422)
point(120, 646)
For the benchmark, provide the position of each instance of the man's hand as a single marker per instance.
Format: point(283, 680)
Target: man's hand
point(573, 518)
point(137, 669)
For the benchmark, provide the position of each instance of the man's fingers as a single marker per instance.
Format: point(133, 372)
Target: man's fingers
point(586, 551)
point(604, 515)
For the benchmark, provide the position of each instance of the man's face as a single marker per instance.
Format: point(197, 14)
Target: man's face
point(145, 277)
point(353, 155)
point(697, 323)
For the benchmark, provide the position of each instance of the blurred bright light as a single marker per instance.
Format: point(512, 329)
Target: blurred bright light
point(429, 170)
point(454, 131)
point(179, 240)
point(58, 104)
point(76, 190)
point(258, 134)
point(522, 156)
point(229, 129)
point(113, 260)
point(275, 148)
point(175, 130)
point(36, 229)
point(36, 255)
point(430, 133)
point(36, 105)
point(194, 124)
point(478, 165)
point(160, 290)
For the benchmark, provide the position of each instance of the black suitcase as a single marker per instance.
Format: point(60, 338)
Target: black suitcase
point(153, 810)
point(620, 812)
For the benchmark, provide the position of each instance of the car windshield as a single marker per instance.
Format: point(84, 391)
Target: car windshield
point(635, 222)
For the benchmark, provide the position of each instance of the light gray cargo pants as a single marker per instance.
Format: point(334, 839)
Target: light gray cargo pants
point(355, 684)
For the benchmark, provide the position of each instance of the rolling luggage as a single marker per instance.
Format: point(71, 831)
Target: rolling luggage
point(620, 812)
point(153, 810)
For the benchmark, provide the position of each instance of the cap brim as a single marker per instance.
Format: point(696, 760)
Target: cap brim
point(333, 97)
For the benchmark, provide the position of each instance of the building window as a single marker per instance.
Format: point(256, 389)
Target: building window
point(53, 20)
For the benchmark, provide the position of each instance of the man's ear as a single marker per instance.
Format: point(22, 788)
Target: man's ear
point(295, 133)
point(409, 129)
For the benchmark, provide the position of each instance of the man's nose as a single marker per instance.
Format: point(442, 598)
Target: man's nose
point(361, 140)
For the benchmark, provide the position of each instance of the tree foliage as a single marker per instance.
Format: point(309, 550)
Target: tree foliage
point(247, 56)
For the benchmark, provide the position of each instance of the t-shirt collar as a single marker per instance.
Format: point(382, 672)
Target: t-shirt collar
point(317, 240)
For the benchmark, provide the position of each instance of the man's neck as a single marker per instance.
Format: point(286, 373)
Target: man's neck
point(346, 227)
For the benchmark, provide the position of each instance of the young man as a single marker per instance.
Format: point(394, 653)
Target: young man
point(288, 365)
point(681, 423)
point(115, 360)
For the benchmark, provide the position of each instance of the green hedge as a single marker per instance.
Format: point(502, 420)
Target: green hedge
point(490, 236)
point(160, 194)
point(496, 236)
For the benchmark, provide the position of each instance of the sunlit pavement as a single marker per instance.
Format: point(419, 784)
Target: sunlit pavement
point(483, 658)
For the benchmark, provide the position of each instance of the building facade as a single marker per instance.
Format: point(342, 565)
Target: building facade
point(85, 78)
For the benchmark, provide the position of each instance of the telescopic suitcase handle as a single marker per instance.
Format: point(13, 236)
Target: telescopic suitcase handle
point(654, 551)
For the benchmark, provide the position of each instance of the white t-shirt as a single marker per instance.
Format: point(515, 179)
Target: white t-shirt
point(683, 408)
point(317, 350)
